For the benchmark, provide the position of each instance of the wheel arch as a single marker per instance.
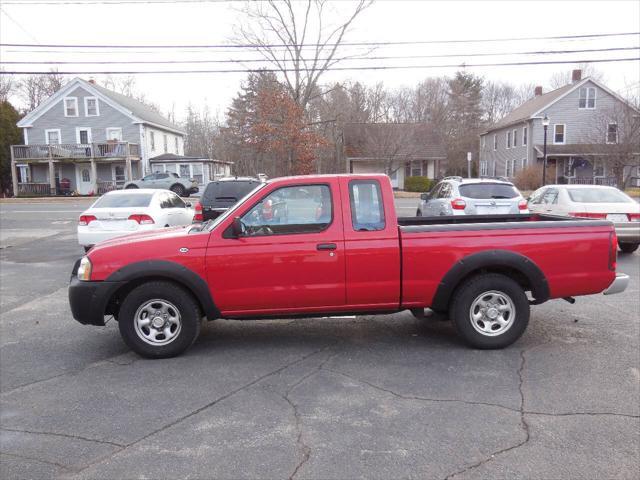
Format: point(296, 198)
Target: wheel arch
point(514, 265)
point(138, 273)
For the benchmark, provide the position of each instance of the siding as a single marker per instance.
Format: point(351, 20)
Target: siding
point(109, 117)
point(503, 154)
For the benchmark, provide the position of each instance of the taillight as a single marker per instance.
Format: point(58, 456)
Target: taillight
point(634, 217)
point(458, 204)
point(85, 220)
point(141, 218)
point(198, 216)
point(588, 215)
point(522, 205)
point(613, 251)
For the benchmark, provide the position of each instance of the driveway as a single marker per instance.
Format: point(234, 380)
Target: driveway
point(376, 397)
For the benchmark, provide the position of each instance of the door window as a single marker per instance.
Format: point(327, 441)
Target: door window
point(176, 201)
point(550, 197)
point(289, 210)
point(367, 210)
point(86, 176)
point(118, 173)
point(445, 191)
point(165, 200)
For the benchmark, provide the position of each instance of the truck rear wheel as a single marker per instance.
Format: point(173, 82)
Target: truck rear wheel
point(490, 311)
point(159, 320)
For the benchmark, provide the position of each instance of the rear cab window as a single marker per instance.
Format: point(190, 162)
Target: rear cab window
point(367, 209)
point(488, 190)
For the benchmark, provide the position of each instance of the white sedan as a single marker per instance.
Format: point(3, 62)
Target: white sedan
point(123, 212)
point(592, 201)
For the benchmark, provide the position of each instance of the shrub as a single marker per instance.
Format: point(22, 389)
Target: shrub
point(418, 184)
point(530, 178)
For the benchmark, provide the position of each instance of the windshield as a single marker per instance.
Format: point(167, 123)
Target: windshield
point(488, 190)
point(123, 200)
point(230, 211)
point(598, 195)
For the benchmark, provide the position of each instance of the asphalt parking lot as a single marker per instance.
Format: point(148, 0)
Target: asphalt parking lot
point(365, 397)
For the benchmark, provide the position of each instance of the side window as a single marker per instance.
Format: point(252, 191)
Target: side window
point(165, 200)
point(162, 176)
point(290, 210)
point(176, 201)
point(435, 191)
point(550, 197)
point(445, 191)
point(536, 198)
point(367, 209)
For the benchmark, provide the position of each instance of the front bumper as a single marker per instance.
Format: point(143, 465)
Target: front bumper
point(628, 232)
point(88, 300)
point(618, 285)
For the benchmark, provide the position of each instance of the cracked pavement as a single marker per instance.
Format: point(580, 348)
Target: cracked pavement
point(366, 397)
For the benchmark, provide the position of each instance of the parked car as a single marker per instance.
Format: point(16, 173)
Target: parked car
point(222, 194)
point(593, 201)
point(343, 251)
point(167, 181)
point(123, 212)
point(471, 196)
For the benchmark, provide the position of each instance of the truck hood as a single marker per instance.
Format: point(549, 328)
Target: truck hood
point(141, 237)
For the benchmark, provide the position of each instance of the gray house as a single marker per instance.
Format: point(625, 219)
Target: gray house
point(86, 139)
point(590, 128)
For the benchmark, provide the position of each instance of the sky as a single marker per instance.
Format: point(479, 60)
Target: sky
point(216, 22)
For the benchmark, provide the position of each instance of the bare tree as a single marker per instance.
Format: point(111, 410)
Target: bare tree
point(127, 86)
point(7, 86)
point(34, 89)
point(310, 46)
point(560, 79)
point(498, 99)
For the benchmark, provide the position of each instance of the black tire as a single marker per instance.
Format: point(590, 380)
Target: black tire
point(147, 293)
point(130, 187)
point(497, 288)
point(418, 213)
point(628, 247)
point(178, 189)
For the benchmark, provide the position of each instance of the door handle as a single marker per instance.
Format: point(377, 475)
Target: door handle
point(326, 246)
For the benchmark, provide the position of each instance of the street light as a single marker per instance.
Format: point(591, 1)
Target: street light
point(545, 124)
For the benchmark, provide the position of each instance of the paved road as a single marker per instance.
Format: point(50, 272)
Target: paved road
point(375, 397)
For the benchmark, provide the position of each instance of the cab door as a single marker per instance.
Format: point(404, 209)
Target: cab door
point(290, 258)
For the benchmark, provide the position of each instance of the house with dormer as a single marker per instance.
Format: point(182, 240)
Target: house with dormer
point(87, 139)
point(592, 136)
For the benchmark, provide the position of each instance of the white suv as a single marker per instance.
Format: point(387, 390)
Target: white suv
point(472, 196)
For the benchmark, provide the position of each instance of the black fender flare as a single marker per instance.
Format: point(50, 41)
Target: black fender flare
point(486, 260)
point(171, 271)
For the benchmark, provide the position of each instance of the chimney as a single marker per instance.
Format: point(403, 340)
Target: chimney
point(538, 91)
point(576, 75)
point(92, 81)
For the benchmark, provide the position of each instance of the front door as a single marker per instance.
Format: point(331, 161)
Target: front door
point(290, 259)
point(84, 181)
point(118, 175)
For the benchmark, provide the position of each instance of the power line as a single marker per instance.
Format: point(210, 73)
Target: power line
point(343, 44)
point(381, 67)
point(113, 2)
point(355, 58)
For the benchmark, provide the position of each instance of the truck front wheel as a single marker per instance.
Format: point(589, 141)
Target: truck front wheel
point(490, 311)
point(159, 320)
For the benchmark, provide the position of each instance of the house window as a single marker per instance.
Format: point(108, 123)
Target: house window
point(152, 139)
point(495, 142)
point(559, 133)
point(508, 139)
point(166, 144)
point(587, 98)
point(91, 107)
point(507, 169)
point(185, 171)
point(484, 168)
point(612, 133)
point(515, 137)
point(524, 163)
point(177, 151)
point(484, 142)
point(524, 136)
point(197, 173)
point(598, 168)
point(52, 136)
point(514, 168)
point(114, 133)
point(71, 107)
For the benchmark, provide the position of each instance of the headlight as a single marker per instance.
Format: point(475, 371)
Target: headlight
point(84, 270)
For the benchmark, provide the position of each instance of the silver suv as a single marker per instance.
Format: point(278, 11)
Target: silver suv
point(167, 181)
point(472, 196)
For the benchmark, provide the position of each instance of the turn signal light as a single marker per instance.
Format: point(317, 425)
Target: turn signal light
point(141, 218)
point(634, 217)
point(522, 205)
point(198, 217)
point(458, 204)
point(588, 215)
point(86, 220)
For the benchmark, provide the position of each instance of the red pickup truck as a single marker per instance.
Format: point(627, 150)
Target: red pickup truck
point(326, 245)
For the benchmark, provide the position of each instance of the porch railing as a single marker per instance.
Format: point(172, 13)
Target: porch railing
point(608, 181)
point(34, 188)
point(73, 150)
point(106, 186)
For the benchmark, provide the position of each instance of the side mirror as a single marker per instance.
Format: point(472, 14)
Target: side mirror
point(424, 196)
point(188, 205)
point(237, 227)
